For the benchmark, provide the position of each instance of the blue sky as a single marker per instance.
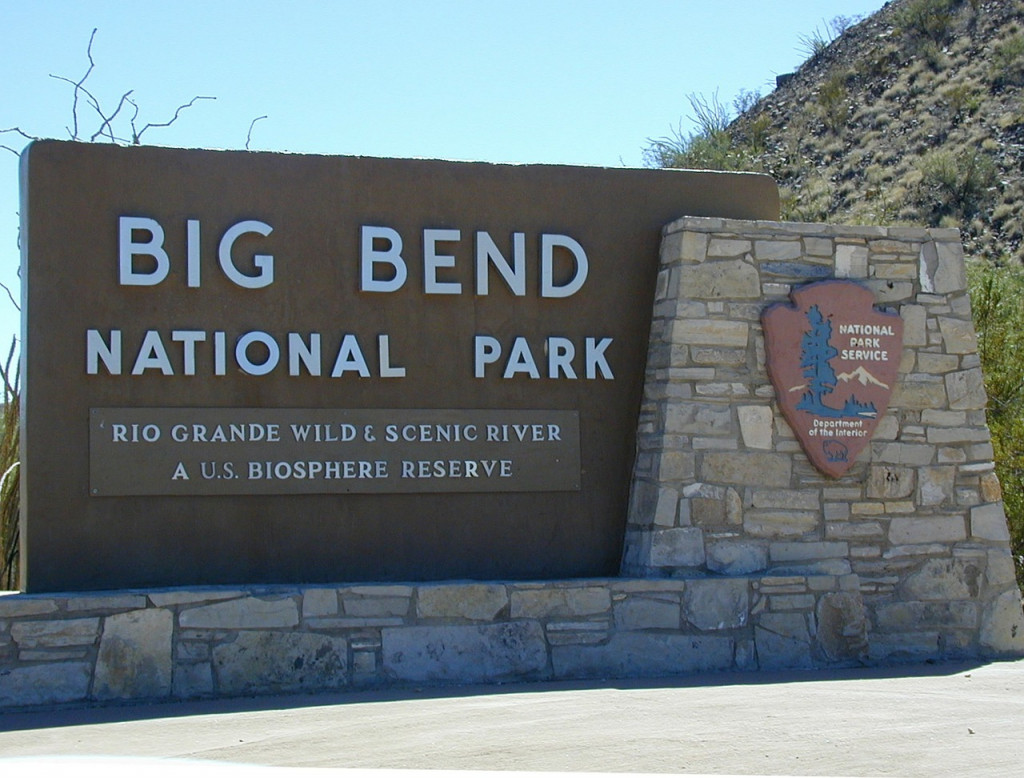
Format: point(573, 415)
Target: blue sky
point(555, 81)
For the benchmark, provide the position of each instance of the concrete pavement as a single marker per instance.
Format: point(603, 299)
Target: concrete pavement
point(914, 720)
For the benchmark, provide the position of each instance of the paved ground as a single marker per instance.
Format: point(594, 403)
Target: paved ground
point(921, 720)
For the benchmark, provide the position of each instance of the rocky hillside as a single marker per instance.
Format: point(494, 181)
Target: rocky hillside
point(912, 116)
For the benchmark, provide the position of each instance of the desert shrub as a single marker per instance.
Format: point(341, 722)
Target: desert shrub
point(930, 20)
point(832, 101)
point(962, 101)
point(933, 56)
point(956, 184)
point(996, 292)
point(1007, 64)
point(711, 147)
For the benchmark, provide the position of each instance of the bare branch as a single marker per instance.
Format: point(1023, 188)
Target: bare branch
point(136, 136)
point(20, 132)
point(248, 138)
point(108, 119)
point(78, 86)
point(10, 295)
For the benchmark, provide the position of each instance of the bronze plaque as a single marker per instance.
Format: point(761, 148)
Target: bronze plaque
point(196, 451)
point(833, 359)
point(182, 279)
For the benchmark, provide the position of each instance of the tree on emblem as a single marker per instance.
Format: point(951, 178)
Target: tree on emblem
point(816, 354)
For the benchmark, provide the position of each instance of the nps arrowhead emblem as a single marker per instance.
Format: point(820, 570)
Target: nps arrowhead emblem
point(833, 359)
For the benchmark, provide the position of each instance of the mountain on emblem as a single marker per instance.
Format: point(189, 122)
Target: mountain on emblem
point(863, 375)
point(833, 359)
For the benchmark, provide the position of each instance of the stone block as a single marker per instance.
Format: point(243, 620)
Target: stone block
point(476, 602)
point(786, 499)
point(319, 602)
point(53, 683)
point(646, 613)
point(667, 507)
point(888, 291)
point(105, 602)
point(905, 530)
point(935, 485)
point(716, 603)
point(1000, 570)
point(818, 247)
point(944, 579)
point(842, 627)
point(171, 597)
point(890, 482)
point(958, 335)
point(915, 329)
point(736, 557)
point(698, 419)
point(682, 547)
point(262, 662)
point(134, 660)
point(783, 641)
point(55, 634)
point(918, 395)
point(693, 246)
point(777, 249)
point(711, 332)
point(747, 468)
point(918, 646)
point(988, 522)
point(912, 616)
point(675, 466)
point(851, 261)
point(708, 511)
point(733, 279)
point(644, 654)
point(193, 680)
point(703, 355)
point(898, 270)
point(854, 530)
point(904, 453)
point(966, 389)
point(14, 605)
point(937, 363)
point(942, 436)
point(1002, 625)
point(991, 491)
point(243, 613)
point(482, 653)
point(779, 524)
point(562, 602)
point(942, 267)
point(756, 423)
point(375, 607)
point(809, 551)
point(728, 247)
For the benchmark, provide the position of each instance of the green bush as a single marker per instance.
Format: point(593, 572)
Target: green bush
point(996, 294)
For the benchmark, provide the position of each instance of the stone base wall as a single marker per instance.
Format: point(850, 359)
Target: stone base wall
point(722, 486)
point(185, 644)
point(738, 556)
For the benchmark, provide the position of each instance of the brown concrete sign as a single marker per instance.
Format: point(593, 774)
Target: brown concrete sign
point(833, 359)
point(259, 368)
